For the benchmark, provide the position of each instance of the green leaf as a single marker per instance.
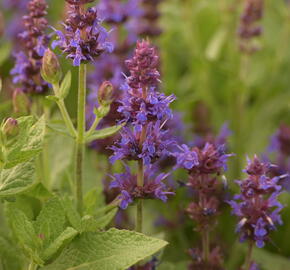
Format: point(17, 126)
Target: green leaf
point(39, 191)
point(62, 240)
point(111, 250)
point(71, 213)
point(50, 222)
point(17, 179)
point(103, 133)
point(28, 143)
point(61, 129)
point(214, 47)
point(24, 231)
point(93, 200)
point(65, 86)
point(9, 254)
point(92, 224)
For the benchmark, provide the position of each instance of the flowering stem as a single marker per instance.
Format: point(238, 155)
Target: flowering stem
point(205, 245)
point(80, 139)
point(93, 126)
point(140, 183)
point(249, 256)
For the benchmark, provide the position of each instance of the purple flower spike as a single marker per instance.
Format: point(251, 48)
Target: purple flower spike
point(34, 41)
point(153, 187)
point(84, 38)
point(257, 206)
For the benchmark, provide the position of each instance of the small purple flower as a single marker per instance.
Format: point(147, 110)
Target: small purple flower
point(210, 159)
point(139, 110)
point(257, 206)
point(153, 187)
point(154, 146)
point(84, 38)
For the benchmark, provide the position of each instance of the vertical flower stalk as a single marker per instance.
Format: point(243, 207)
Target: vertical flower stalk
point(204, 165)
point(257, 206)
point(83, 40)
point(144, 138)
point(34, 41)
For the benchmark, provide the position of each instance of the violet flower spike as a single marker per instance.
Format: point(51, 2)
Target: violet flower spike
point(84, 39)
point(257, 206)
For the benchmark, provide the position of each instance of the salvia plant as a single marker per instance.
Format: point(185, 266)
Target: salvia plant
point(144, 135)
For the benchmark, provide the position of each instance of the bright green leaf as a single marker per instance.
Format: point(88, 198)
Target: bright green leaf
point(65, 86)
point(24, 231)
point(62, 240)
point(17, 180)
point(103, 133)
point(5, 50)
point(71, 213)
point(92, 224)
point(52, 98)
point(28, 143)
point(50, 222)
point(111, 250)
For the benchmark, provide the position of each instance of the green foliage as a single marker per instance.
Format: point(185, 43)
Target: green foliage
point(28, 142)
point(103, 133)
point(18, 179)
point(111, 250)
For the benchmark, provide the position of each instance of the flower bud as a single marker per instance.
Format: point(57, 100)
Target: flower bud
point(105, 93)
point(50, 70)
point(21, 102)
point(10, 127)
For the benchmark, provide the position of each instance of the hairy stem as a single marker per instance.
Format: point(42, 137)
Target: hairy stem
point(205, 245)
point(140, 183)
point(248, 259)
point(80, 139)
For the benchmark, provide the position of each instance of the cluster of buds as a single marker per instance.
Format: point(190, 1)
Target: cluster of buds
point(84, 38)
point(26, 71)
point(257, 205)
point(248, 28)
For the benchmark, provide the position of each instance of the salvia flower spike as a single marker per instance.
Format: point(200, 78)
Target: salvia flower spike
point(257, 205)
point(84, 38)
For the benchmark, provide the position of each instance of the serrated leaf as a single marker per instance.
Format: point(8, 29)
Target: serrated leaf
point(103, 133)
point(17, 180)
point(50, 222)
point(92, 224)
point(62, 240)
point(39, 191)
point(24, 231)
point(72, 214)
point(111, 250)
point(28, 143)
point(9, 254)
point(93, 200)
point(65, 86)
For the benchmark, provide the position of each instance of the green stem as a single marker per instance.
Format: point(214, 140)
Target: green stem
point(205, 245)
point(248, 259)
point(32, 266)
point(93, 126)
point(80, 140)
point(64, 113)
point(140, 183)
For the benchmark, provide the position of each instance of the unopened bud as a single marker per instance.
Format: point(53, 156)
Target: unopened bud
point(21, 102)
point(105, 93)
point(10, 127)
point(50, 70)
